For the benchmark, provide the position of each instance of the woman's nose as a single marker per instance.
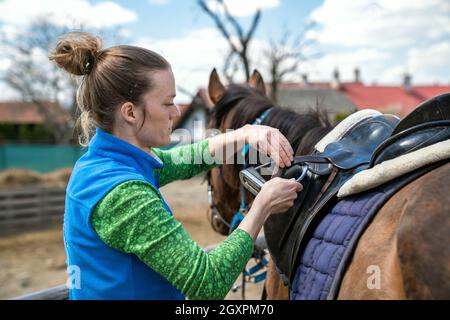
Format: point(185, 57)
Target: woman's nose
point(176, 111)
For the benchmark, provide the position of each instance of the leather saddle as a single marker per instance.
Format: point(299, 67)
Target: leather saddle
point(364, 144)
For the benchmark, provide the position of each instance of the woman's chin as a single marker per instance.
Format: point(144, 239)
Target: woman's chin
point(167, 141)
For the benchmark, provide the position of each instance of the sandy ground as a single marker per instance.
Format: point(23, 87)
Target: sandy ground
point(35, 260)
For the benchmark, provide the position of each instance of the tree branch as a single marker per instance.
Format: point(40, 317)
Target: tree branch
point(219, 24)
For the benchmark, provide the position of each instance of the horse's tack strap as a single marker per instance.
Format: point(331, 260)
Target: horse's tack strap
point(258, 121)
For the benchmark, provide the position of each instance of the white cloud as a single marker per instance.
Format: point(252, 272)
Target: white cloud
point(244, 8)
point(191, 56)
point(68, 12)
point(430, 64)
point(159, 2)
point(369, 61)
point(383, 38)
point(427, 65)
point(394, 74)
point(380, 23)
point(8, 94)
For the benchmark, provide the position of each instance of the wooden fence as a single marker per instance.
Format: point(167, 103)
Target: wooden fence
point(32, 207)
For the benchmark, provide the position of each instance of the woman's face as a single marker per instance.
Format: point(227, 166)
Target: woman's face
point(160, 110)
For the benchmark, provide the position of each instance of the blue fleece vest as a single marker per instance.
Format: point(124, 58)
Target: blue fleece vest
point(97, 271)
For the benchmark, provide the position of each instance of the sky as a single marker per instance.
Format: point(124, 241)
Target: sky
point(383, 38)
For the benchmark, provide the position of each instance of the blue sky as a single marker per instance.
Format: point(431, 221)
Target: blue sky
point(161, 19)
point(383, 38)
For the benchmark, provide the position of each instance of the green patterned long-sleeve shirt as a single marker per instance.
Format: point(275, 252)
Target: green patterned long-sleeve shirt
point(132, 218)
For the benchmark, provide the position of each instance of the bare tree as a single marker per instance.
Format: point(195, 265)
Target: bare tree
point(285, 56)
point(37, 80)
point(226, 23)
point(34, 78)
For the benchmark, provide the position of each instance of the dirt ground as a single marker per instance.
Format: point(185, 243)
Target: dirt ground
point(33, 261)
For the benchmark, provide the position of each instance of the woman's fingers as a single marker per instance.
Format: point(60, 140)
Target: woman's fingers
point(283, 141)
point(277, 138)
point(264, 145)
point(274, 144)
point(281, 147)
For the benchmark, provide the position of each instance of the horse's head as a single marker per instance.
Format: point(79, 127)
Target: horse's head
point(223, 182)
point(234, 107)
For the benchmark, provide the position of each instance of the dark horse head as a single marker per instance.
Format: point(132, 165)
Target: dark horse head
point(236, 106)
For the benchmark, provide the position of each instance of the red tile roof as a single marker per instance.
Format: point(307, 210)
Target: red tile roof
point(28, 113)
point(392, 99)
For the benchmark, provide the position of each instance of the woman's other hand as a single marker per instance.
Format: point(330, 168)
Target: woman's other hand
point(271, 141)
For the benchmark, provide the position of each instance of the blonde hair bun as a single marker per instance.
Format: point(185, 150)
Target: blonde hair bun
point(76, 52)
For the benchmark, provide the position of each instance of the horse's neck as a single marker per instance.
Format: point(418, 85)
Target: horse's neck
point(302, 142)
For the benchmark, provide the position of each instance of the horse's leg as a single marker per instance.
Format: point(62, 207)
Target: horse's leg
point(274, 286)
point(405, 248)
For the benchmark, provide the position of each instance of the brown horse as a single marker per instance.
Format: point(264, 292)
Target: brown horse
point(408, 238)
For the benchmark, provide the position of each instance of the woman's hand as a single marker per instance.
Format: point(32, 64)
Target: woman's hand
point(278, 195)
point(271, 141)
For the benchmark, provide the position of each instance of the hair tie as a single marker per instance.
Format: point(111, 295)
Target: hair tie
point(89, 65)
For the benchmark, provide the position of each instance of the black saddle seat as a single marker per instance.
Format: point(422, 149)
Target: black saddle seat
point(434, 109)
point(428, 124)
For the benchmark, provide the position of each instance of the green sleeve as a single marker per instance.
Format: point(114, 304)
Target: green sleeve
point(184, 162)
point(132, 218)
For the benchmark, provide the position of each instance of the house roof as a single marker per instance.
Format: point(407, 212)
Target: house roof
point(304, 86)
point(16, 112)
point(302, 99)
point(393, 99)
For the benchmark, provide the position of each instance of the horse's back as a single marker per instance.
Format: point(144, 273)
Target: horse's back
point(404, 252)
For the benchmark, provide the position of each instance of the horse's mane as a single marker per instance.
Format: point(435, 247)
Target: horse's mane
point(301, 129)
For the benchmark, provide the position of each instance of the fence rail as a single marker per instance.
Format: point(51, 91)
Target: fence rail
point(31, 207)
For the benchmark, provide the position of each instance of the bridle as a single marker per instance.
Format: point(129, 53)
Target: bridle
point(243, 207)
point(215, 213)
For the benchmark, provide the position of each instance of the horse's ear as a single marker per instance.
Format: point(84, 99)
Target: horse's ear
point(215, 87)
point(256, 82)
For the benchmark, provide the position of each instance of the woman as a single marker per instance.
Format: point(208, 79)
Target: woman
point(118, 230)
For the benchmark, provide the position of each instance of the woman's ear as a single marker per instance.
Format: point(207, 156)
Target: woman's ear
point(127, 112)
